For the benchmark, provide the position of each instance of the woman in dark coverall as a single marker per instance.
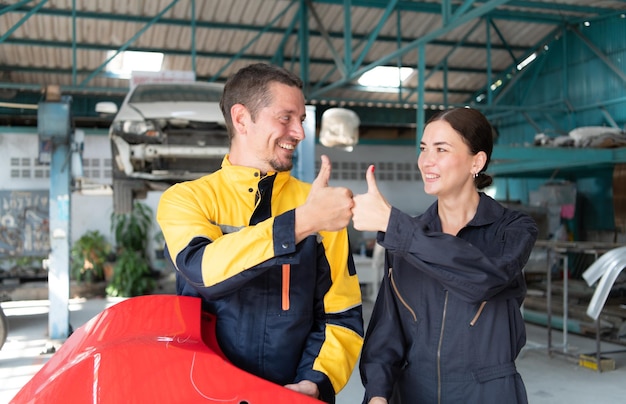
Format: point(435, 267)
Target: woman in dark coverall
point(446, 326)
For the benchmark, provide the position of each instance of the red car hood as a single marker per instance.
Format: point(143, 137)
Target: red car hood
point(149, 349)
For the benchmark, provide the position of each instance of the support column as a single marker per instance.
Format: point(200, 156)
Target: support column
point(58, 270)
point(54, 125)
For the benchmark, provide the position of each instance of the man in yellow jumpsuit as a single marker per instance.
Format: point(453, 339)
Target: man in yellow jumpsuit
point(269, 254)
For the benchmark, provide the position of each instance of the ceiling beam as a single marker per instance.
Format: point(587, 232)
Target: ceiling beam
point(238, 27)
point(526, 11)
point(427, 38)
point(106, 48)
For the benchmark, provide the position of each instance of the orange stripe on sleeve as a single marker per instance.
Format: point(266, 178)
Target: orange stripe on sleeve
point(286, 276)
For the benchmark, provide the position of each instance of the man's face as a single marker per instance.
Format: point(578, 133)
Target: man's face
point(277, 129)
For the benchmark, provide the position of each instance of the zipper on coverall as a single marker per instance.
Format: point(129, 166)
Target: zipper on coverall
point(443, 322)
point(395, 289)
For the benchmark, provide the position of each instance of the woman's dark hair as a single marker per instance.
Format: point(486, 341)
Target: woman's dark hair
point(250, 87)
point(476, 132)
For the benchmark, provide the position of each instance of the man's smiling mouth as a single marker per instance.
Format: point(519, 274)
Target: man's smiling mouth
point(287, 146)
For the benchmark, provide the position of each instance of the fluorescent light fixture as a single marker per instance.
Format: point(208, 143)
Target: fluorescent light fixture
point(126, 62)
point(495, 85)
point(385, 76)
point(527, 61)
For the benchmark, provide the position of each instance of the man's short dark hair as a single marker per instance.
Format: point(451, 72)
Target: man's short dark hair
point(250, 87)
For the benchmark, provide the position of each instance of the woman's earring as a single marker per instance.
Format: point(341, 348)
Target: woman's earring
point(475, 175)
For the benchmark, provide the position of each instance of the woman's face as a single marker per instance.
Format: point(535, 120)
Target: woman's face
point(445, 161)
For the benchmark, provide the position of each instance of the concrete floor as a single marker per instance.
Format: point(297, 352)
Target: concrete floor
point(549, 380)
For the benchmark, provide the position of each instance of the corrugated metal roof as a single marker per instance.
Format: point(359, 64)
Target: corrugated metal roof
point(48, 45)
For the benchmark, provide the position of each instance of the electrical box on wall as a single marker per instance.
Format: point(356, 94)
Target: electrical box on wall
point(53, 121)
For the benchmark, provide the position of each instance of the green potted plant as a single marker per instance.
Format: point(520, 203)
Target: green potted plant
point(89, 256)
point(131, 274)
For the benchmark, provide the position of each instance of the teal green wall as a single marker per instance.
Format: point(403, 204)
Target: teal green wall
point(569, 86)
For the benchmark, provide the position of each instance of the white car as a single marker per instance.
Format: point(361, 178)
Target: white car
point(164, 133)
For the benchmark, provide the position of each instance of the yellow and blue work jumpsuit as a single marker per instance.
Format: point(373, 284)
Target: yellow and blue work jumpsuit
point(285, 312)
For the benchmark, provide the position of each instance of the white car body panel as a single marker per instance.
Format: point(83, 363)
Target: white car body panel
point(195, 111)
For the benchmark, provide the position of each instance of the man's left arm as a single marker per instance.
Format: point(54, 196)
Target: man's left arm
point(334, 345)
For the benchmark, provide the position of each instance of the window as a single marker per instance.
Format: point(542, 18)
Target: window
point(124, 63)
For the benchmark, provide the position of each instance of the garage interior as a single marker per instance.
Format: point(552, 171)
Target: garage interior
point(549, 75)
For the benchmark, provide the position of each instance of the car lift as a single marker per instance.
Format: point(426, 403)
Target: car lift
point(56, 135)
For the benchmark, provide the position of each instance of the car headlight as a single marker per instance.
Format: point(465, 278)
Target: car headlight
point(139, 128)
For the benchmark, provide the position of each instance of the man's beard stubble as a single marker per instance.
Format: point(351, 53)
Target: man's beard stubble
point(279, 166)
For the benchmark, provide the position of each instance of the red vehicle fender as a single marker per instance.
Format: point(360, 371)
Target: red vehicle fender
point(149, 349)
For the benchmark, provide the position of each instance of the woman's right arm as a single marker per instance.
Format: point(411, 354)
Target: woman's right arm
point(384, 348)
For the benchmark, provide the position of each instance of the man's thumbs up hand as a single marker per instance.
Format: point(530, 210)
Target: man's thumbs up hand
point(326, 208)
point(323, 176)
point(371, 211)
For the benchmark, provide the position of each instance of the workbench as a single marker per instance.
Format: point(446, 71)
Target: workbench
point(561, 251)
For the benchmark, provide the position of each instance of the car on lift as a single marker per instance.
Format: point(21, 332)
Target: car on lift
point(164, 133)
